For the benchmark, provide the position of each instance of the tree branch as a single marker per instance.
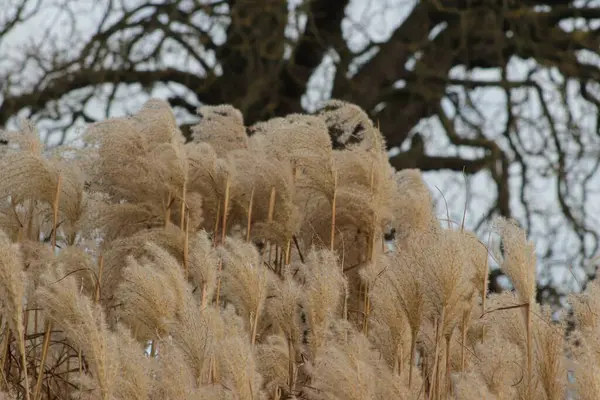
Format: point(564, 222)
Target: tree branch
point(80, 79)
point(323, 31)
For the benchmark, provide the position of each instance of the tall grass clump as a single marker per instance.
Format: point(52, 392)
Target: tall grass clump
point(142, 266)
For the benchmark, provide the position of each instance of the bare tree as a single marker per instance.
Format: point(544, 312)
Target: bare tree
point(506, 90)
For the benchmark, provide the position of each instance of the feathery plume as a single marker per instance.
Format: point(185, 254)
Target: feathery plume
point(151, 293)
point(324, 294)
point(12, 293)
point(245, 281)
point(222, 127)
point(84, 323)
point(519, 261)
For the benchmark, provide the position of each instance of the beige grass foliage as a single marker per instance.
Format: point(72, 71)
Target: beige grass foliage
point(256, 267)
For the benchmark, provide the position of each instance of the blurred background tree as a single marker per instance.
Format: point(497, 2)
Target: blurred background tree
point(496, 100)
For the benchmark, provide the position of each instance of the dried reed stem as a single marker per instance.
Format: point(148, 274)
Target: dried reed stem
point(485, 285)
point(271, 204)
point(203, 303)
point(395, 358)
point(24, 361)
point(168, 210)
point(426, 376)
point(270, 252)
point(399, 359)
point(413, 347)
point(5, 348)
point(45, 346)
point(254, 326)
point(249, 224)
point(333, 206)
point(288, 252)
point(436, 365)
point(80, 361)
point(345, 308)
point(219, 269)
point(212, 371)
point(291, 362)
point(68, 373)
point(30, 219)
point(270, 213)
point(55, 203)
point(223, 233)
point(529, 353)
point(217, 220)
point(448, 366)
point(35, 326)
point(225, 209)
point(182, 210)
point(99, 280)
point(48, 331)
point(186, 244)
point(463, 339)
point(367, 305)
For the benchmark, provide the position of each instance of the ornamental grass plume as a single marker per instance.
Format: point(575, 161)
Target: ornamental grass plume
point(139, 161)
point(584, 305)
point(350, 126)
point(496, 368)
point(291, 264)
point(245, 282)
point(550, 358)
point(519, 264)
point(10, 220)
point(518, 260)
point(36, 258)
point(275, 216)
point(205, 182)
point(35, 183)
point(12, 293)
point(85, 325)
point(500, 313)
point(159, 303)
point(169, 238)
point(284, 306)
point(222, 127)
point(346, 370)
point(409, 294)
point(584, 343)
point(203, 266)
point(412, 206)
point(393, 304)
point(237, 367)
point(304, 141)
point(136, 369)
point(273, 363)
point(363, 188)
point(324, 285)
point(174, 379)
point(448, 276)
point(151, 293)
point(351, 369)
point(75, 262)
